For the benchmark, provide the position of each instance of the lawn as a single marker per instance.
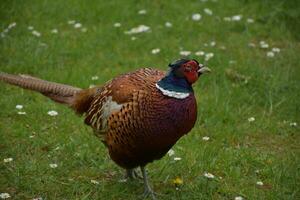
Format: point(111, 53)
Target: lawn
point(247, 132)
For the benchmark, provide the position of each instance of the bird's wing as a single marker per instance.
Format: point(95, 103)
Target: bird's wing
point(119, 97)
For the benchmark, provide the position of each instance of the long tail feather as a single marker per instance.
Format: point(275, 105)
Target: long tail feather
point(58, 92)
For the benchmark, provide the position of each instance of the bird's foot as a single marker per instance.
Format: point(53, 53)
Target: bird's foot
point(149, 192)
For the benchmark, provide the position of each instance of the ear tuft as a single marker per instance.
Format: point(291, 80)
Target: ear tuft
point(177, 63)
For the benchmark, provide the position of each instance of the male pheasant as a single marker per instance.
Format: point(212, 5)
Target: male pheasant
point(139, 116)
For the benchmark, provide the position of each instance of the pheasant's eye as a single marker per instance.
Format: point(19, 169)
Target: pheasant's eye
point(188, 69)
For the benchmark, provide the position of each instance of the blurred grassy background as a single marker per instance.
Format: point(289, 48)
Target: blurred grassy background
point(245, 83)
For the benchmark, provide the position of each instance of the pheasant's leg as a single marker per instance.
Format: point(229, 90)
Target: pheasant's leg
point(132, 174)
point(137, 175)
point(129, 174)
point(148, 190)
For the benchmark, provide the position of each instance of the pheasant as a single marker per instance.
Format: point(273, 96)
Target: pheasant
point(138, 116)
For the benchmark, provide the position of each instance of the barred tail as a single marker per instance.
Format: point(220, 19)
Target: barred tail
point(60, 93)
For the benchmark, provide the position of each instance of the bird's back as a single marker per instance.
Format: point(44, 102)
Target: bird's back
point(136, 121)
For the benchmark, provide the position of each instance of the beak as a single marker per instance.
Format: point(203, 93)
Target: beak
point(203, 70)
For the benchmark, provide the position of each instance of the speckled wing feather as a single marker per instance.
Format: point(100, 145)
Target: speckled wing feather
point(112, 96)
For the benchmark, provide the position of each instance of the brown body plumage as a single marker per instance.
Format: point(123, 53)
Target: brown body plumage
point(144, 124)
point(134, 118)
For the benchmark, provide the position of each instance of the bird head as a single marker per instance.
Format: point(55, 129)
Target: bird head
point(188, 69)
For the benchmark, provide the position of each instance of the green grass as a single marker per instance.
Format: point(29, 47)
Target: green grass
point(236, 148)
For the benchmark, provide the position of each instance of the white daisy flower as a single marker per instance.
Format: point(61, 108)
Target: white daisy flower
point(21, 113)
point(55, 31)
point(95, 182)
point(236, 17)
point(249, 20)
point(263, 45)
point(212, 43)
point(262, 42)
point(36, 33)
point(77, 25)
point(52, 113)
point(4, 195)
point(71, 22)
point(84, 30)
point(208, 11)
point(200, 53)
point(155, 51)
point(168, 24)
point(95, 78)
point(184, 53)
point(196, 17)
point(293, 124)
point(208, 175)
point(260, 183)
point(227, 19)
point(238, 198)
point(38, 198)
point(53, 165)
point(19, 107)
point(208, 56)
point(117, 24)
point(270, 54)
point(177, 158)
point(12, 25)
point(205, 138)
point(142, 12)
point(251, 119)
point(138, 29)
point(171, 152)
point(276, 50)
point(7, 160)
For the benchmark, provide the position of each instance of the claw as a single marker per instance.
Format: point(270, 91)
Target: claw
point(149, 193)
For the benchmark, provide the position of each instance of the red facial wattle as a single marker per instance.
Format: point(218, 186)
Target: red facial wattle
point(191, 71)
point(192, 77)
